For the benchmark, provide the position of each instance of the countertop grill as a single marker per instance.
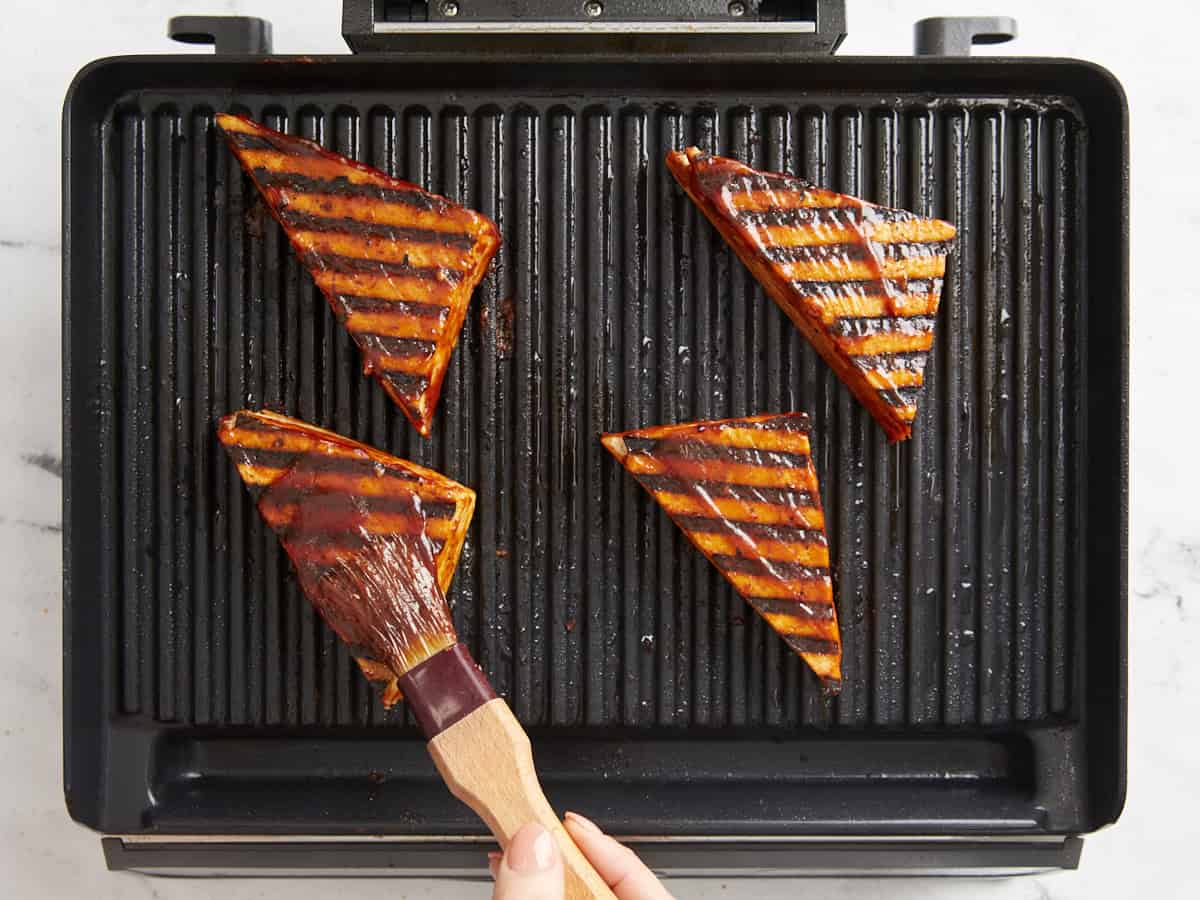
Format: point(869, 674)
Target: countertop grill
point(212, 723)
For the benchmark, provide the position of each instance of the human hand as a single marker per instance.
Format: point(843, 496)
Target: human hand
point(532, 868)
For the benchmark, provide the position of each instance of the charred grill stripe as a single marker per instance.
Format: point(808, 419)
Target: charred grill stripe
point(863, 287)
point(783, 533)
point(724, 490)
point(406, 384)
point(900, 398)
point(351, 265)
point(346, 467)
point(400, 234)
point(666, 448)
point(396, 348)
point(856, 326)
point(455, 220)
point(773, 568)
point(333, 465)
point(722, 176)
point(283, 496)
point(801, 609)
point(342, 186)
point(813, 645)
point(912, 361)
point(286, 144)
point(785, 184)
point(801, 217)
point(355, 303)
point(817, 216)
point(270, 459)
point(246, 422)
point(329, 543)
point(911, 249)
point(854, 251)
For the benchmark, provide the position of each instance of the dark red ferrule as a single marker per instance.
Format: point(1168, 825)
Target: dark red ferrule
point(447, 687)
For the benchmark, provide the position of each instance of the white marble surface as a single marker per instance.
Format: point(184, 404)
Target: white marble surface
point(1149, 45)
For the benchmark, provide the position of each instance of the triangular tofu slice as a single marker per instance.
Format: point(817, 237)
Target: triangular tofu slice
point(861, 282)
point(397, 264)
point(266, 447)
point(745, 493)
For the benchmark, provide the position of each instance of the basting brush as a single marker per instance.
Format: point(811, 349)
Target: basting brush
point(380, 593)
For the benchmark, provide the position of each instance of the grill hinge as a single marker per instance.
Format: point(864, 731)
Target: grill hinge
point(595, 27)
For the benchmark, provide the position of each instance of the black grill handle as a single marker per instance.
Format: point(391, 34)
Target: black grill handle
point(227, 34)
point(955, 35)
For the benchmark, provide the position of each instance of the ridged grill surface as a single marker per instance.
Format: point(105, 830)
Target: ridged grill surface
point(611, 305)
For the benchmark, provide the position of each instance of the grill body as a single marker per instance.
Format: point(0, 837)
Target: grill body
point(979, 568)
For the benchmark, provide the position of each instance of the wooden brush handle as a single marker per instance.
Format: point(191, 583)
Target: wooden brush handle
point(487, 763)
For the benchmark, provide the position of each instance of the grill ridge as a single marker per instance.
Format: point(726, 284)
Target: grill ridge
point(611, 305)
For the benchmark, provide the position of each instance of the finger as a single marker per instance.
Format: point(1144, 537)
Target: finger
point(494, 863)
point(616, 864)
point(532, 867)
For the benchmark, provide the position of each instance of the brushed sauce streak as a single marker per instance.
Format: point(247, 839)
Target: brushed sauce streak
point(382, 598)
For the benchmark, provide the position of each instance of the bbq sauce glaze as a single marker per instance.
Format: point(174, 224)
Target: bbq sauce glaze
point(378, 590)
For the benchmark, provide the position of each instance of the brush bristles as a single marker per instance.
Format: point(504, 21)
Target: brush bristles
point(384, 600)
point(377, 589)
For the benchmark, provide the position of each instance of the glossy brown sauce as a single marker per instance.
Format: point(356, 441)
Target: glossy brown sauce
point(379, 592)
point(745, 493)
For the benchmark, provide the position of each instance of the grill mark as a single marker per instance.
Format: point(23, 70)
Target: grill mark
point(245, 422)
point(723, 490)
point(407, 384)
point(341, 186)
point(748, 184)
point(805, 610)
point(280, 496)
point(333, 465)
point(394, 347)
point(401, 234)
point(858, 326)
point(912, 249)
point(812, 645)
point(352, 265)
point(348, 468)
point(816, 216)
point(719, 179)
point(854, 251)
point(288, 145)
point(357, 303)
point(900, 398)
point(770, 568)
point(849, 251)
point(873, 287)
point(787, 534)
point(347, 540)
point(665, 448)
point(910, 360)
point(721, 176)
point(267, 459)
